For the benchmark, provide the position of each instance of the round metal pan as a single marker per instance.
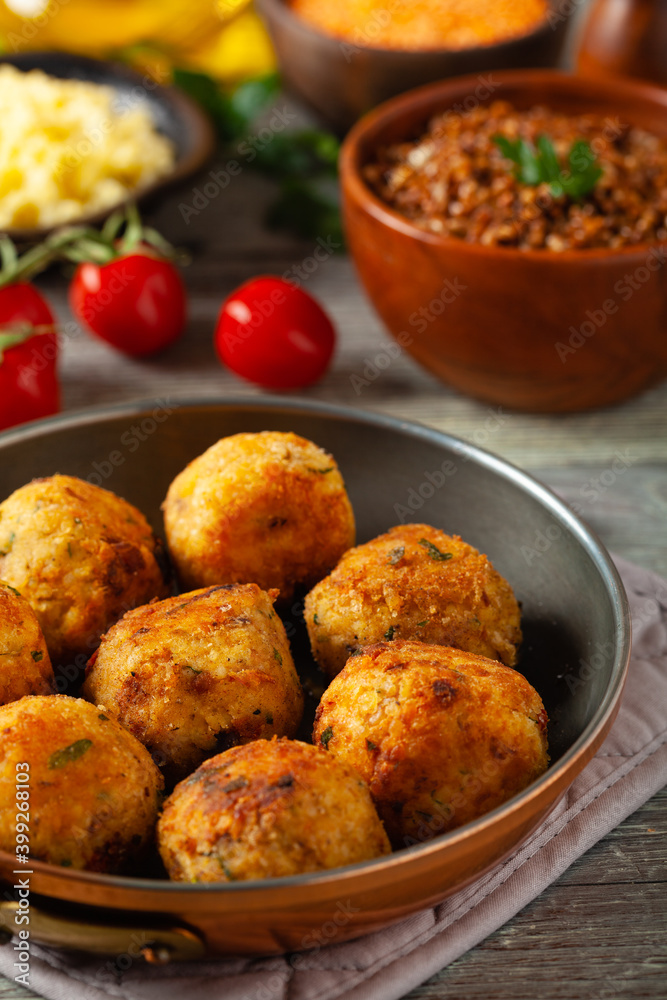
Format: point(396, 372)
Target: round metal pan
point(576, 651)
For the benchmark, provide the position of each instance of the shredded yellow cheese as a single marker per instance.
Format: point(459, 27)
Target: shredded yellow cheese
point(70, 148)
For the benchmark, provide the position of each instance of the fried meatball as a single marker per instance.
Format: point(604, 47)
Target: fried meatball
point(25, 666)
point(268, 809)
point(440, 735)
point(414, 582)
point(80, 556)
point(93, 790)
point(197, 674)
point(267, 508)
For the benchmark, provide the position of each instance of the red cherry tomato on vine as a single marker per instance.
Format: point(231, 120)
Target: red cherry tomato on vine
point(274, 334)
point(135, 302)
point(28, 354)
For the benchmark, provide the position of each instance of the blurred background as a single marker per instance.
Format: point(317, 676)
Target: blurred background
point(224, 38)
point(280, 82)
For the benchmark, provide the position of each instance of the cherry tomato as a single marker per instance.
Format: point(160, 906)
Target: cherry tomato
point(274, 334)
point(28, 354)
point(135, 302)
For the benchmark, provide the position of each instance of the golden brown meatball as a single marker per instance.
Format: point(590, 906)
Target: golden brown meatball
point(414, 582)
point(25, 667)
point(93, 790)
point(267, 508)
point(196, 674)
point(268, 809)
point(440, 735)
point(80, 556)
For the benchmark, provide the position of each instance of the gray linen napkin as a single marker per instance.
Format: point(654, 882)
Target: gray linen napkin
point(629, 768)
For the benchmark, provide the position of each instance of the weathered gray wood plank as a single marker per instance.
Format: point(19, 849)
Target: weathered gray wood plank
point(599, 932)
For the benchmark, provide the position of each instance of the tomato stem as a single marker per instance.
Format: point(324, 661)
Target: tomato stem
point(17, 333)
point(17, 268)
point(82, 244)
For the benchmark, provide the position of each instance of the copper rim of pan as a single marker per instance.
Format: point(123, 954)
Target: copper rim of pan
point(545, 791)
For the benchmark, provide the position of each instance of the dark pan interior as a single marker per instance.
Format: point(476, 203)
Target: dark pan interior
point(572, 609)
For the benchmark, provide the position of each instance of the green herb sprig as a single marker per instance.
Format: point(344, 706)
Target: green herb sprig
point(539, 164)
point(63, 757)
point(231, 113)
point(434, 552)
point(304, 162)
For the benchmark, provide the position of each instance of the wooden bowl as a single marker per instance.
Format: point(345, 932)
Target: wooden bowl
point(533, 330)
point(625, 39)
point(341, 80)
point(173, 114)
point(576, 650)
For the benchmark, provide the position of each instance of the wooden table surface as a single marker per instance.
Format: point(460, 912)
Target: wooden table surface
point(600, 931)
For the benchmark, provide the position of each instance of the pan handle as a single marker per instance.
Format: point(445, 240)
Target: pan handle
point(155, 945)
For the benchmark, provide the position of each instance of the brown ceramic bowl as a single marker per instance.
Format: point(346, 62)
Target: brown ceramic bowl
point(341, 81)
point(533, 330)
point(574, 606)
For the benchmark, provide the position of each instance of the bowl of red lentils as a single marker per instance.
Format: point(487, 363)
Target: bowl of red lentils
point(515, 242)
point(343, 57)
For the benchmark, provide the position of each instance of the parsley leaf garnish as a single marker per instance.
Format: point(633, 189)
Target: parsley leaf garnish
point(75, 750)
point(304, 162)
point(434, 551)
point(396, 555)
point(326, 736)
point(539, 164)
